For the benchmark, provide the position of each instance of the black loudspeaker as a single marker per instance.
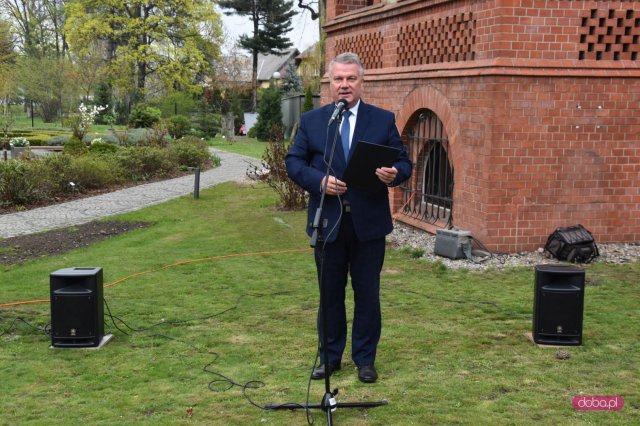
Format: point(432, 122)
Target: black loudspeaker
point(77, 313)
point(558, 305)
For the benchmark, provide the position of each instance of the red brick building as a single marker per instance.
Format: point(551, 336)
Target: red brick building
point(520, 115)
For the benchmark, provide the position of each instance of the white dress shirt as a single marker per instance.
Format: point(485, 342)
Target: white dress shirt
point(352, 122)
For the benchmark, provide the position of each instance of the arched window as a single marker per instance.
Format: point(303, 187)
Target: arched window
point(428, 195)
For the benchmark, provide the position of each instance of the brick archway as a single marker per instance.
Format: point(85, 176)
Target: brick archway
point(430, 98)
point(427, 97)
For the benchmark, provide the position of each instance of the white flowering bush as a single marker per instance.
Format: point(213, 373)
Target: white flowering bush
point(19, 142)
point(81, 122)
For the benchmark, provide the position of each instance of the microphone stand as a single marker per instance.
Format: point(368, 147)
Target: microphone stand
point(328, 403)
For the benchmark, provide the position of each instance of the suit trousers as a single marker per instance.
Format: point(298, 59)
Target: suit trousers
point(363, 260)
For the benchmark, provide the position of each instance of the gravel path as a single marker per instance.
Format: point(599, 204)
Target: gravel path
point(233, 167)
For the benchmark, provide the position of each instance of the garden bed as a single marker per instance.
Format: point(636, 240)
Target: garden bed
point(28, 247)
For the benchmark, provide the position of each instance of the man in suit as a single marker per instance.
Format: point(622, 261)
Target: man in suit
point(357, 221)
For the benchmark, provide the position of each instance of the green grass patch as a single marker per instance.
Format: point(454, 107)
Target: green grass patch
point(242, 145)
point(22, 120)
point(39, 133)
point(453, 349)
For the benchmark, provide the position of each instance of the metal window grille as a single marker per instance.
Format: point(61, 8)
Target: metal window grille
point(428, 195)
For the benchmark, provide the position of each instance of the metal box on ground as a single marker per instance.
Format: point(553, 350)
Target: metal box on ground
point(451, 243)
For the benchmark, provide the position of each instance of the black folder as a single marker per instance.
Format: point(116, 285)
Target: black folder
point(366, 158)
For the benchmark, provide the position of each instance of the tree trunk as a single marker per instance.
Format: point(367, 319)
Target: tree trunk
point(254, 71)
point(254, 82)
point(142, 42)
point(142, 75)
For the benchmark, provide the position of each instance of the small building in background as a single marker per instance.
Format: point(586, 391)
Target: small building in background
point(270, 64)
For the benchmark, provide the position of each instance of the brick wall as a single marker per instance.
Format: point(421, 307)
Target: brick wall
point(540, 101)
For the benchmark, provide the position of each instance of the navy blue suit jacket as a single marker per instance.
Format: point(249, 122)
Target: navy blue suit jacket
point(307, 161)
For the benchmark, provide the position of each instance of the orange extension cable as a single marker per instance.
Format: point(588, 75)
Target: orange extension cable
point(185, 262)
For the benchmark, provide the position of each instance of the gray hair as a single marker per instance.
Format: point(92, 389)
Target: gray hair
point(347, 58)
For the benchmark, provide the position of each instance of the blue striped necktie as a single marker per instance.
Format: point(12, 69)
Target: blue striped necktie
point(344, 133)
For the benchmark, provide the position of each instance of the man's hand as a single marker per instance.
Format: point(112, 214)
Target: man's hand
point(386, 174)
point(335, 186)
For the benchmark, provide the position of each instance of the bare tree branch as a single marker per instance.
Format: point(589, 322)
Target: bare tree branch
point(314, 14)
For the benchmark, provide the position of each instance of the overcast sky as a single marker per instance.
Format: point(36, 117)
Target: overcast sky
point(303, 35)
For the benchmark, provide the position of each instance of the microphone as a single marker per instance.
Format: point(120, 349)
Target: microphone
point(340, 105)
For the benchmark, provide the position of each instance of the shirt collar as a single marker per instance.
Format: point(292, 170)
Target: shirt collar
point(354, 109)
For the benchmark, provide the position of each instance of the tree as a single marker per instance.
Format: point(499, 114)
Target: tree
point(308, 100)
point(291, 82)
point(49, 83)
point(269, 115)
point(89, 69)
point(231, 70)
point(271, 21)
point(170, 40)
point(238, 112)
point(103, 96)
point(7, 59)
point(231, 83)
point(314, 14)
point(6, 42)
point(39, 26)
point(321, 14)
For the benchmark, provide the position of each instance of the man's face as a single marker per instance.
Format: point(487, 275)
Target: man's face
point(346, 83)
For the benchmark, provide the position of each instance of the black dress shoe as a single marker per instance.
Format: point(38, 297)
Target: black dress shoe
point(367, 374)
point(319, 372)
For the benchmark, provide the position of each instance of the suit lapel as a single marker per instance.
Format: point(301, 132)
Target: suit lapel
point(362, 121)
point(338, 156)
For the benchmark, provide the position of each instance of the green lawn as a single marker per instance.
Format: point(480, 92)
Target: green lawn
point(241, 145)
point(38, 131)
point(22, 120)
point(453, 349)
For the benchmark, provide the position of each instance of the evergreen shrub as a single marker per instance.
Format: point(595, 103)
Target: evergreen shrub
point(179, 126)
point(145, 162)
point(100, 146)
point(90, 172)
point(16, 184)
point(144, 116)
point(308, 100)
point(190, 152)
point(269, 113)
point(75, 146)
point(53, 174)
point(210, 124)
